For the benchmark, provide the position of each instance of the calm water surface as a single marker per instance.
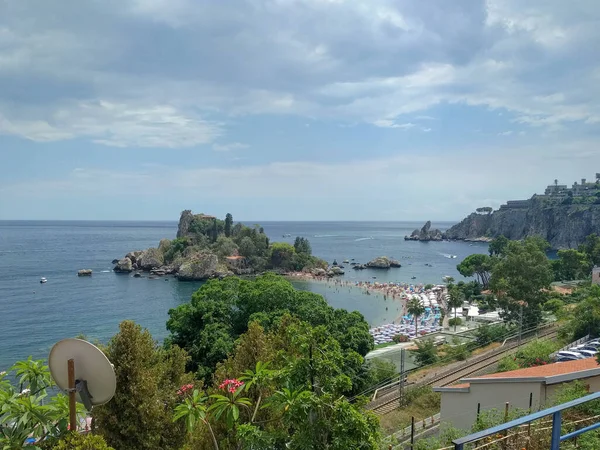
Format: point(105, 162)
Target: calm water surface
point(34, 316)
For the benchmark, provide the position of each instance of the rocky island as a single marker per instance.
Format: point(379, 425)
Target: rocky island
point(425, 234)
point(563, 216)
point(207, 247)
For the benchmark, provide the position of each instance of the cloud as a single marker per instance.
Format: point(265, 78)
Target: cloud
point(113, 124)
point(350, 61)
point(229, 147)
point(505, 133)
point(388, 123)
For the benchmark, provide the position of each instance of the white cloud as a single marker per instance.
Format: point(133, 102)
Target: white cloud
point(115, 124)
point(389, 123)
point(229, 147)
point(505, 133)
point(353, 61)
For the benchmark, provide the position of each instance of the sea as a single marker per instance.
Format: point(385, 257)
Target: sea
point(33, 316)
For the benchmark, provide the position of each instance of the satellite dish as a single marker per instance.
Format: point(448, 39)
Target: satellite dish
point(83, 371)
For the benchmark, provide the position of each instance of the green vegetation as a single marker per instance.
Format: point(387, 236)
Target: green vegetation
point(478, 265)
point(221, 310)
point(416, 309)
point(454, 322)
point(426, 352)
point(148, 376)
point(206, 234)
point(455, 301)
point(520, 279)
point(77, 441)
point(536, 353)
point(584, 318)
point(26, 411)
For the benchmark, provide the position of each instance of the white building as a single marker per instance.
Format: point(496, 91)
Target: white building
point(460, 402)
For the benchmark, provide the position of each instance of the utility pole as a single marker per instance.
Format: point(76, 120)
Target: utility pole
point(520, 323)
point(401, 376)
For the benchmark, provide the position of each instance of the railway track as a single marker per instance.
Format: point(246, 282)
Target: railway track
point(388, 401)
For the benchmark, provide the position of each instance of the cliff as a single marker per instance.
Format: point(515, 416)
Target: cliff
point(425, 234)
point(563, 226)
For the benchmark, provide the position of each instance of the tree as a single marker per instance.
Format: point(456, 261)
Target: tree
point(478, 265)
point(455, 301)
point(228, 224)
point(591, 247)
point(522, 275)
point(585, 318)
point(282, 255)
point(571, 265)
point(221, 310)
point(416, 309)
point(498, 245)
point(426, 352)
point(148, 377)
point(302, 245)
point(247, 247)
point(78, 441)
point(225, 247)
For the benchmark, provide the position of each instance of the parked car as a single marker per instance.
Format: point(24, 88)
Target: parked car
point(588, 353)
point(569, 354)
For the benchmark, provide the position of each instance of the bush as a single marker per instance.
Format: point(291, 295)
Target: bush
point(554, 305)
point(426, 352)
point(400, 338)
point(536, 353)
point(486, 334)
point(77, 441)
point(455, 321)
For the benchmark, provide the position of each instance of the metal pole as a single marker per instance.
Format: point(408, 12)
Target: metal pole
point(520, 323)
point(412, 432)
point(72, 404)
point(555, 441)
point(505, 441)
point(401, 376)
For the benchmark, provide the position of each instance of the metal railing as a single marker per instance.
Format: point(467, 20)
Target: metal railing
point(555, 412)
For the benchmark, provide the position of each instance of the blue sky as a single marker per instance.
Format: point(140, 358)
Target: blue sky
point(293, 109)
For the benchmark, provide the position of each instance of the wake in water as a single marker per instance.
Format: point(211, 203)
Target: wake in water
point(326, 235)
point(105, 271)
point(363, 239)
point(446, 255)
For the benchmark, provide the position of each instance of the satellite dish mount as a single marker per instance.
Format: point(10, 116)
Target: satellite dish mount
point(82, 371)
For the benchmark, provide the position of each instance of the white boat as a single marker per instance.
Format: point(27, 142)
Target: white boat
point(43, 280)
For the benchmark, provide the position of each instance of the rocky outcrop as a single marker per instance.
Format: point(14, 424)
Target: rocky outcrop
point(124, 266)
point(382, 262)
point(150, 259)
point(202, 266)
point(185, 220)
point(563, 226)
point(425, 234)
point(134, 257)
point(84, 273)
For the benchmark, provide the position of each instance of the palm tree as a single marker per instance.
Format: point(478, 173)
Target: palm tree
point(455, 300)
point(416, 308)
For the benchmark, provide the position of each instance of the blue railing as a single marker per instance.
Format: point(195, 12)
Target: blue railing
point(555, 412)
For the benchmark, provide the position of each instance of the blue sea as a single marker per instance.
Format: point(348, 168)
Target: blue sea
point(33, 316)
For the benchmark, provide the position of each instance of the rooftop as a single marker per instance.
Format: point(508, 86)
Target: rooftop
point(548, 374)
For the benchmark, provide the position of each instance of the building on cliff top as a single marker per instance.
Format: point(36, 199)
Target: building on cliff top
point(582, 189)
point(596, 275)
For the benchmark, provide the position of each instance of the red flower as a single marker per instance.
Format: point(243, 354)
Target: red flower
point(185, 388)
point(231, 385)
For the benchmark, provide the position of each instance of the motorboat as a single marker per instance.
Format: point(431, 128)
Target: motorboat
point(43, 280)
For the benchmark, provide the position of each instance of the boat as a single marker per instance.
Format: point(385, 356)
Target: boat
point(453, 256)
point(287, 235)
point(43, 280)
point(413, 278)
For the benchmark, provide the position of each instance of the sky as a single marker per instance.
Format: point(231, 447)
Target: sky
point(293, 109)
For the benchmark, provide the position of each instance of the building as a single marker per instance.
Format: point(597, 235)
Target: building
point(596, 275)
point(461, 402)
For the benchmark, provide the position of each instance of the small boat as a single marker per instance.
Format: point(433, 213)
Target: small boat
point(453, 256)
point(43, 280)
point(413, 278)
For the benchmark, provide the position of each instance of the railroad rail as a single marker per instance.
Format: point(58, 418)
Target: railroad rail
point(388, 401)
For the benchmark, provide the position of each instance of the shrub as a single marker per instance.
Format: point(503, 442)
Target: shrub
point(77, 441)
point(400, 338)
point(426, 352)
point(455, 321)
